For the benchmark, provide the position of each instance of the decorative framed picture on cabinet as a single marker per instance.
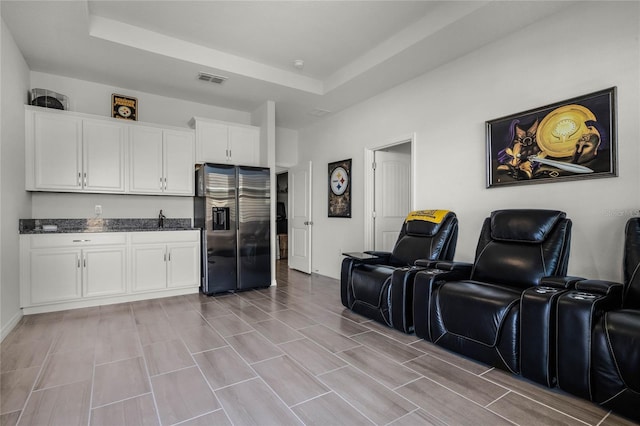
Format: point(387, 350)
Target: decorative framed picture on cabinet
point(568, 140)
point(340, 189)
point(124, 107)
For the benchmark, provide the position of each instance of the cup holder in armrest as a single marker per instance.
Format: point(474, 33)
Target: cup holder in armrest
point(582, 296)
point(545, 290)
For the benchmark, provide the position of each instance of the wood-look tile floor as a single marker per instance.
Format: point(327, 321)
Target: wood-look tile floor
point(284, 355)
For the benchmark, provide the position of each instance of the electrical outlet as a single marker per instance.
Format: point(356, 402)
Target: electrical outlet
point(98, 210)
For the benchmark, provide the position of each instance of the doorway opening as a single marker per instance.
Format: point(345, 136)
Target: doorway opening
point(389, 192)
point(282, 207)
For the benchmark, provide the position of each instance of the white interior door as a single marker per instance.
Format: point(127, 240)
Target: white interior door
point(392, 196)
point(300, 218)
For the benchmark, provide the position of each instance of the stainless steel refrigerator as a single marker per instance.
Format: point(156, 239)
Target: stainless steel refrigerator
point(232, 208)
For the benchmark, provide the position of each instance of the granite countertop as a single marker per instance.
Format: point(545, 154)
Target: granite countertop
point(35, 226)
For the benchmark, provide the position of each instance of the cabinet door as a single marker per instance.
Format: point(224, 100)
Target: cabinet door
point(149, 267)
point(104, 271)
point(103, 156)
point(178, 162)
point(58, 152)
point(244, 145)
point(55, 275)
point(146, 160)
point(212, 142)
point(183, 265)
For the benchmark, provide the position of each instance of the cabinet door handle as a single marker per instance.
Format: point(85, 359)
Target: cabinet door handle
point(165, 184)
point(169, 256)
point(160, 183)
point(79, 179)
point(78, 260)
point(165, 257)
point(81, 241)
point(84, 261)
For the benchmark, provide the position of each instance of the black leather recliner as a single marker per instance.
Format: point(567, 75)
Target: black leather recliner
point(501, 305)
point(599, 336)
point(381, 288)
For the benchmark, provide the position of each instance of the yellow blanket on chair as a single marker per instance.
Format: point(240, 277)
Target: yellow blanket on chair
point(434, 216)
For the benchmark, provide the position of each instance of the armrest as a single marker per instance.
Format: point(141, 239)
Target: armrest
point(578, 311)
point(360, 258)
point(426, 263)
point(538, 328)
point(378, 253)
point(560, 282)
point(425, 283)
point(462, 269)
point(383, 256)
point(606, 288)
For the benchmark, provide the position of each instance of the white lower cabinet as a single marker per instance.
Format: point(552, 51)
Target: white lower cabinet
point(63, 271)
point(182, 265)
point(104, 271)
point(49, 266)
point(149, 267)
point(161, 261)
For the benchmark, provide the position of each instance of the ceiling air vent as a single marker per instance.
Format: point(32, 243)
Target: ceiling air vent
point(211, 78)
point(319, 112)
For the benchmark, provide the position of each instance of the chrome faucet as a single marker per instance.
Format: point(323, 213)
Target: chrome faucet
point(161, 219)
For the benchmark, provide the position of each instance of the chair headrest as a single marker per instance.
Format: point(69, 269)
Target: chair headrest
point(526, 225)
point(426, 222)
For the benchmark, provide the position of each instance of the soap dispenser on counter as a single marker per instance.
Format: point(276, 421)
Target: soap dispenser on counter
point(161, 219)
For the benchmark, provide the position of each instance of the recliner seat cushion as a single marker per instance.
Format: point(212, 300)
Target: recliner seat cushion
point(475, 311)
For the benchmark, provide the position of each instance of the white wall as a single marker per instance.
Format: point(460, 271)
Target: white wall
point(53, 205)
point(15, 202)
point(94, 98)
point(593, 47)
point(286, 147)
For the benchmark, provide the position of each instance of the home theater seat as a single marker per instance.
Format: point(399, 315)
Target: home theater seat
point(499, 309)
point(599, 336)
point(381, 287)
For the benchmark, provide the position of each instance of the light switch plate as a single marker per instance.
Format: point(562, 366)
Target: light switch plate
point(98, 210)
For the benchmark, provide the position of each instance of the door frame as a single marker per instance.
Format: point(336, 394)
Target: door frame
point(369, 186)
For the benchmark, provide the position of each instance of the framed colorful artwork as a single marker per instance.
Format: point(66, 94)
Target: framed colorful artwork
point(124, 107)
point(568, 140)
point(340, 189)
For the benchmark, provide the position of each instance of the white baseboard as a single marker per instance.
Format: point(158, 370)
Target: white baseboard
point(10, 325)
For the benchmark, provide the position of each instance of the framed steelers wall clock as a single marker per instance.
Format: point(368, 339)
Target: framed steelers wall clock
point(340, 189)
point(124, 107)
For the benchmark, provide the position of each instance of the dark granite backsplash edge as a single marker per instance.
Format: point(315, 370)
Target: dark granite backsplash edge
point(35, 226)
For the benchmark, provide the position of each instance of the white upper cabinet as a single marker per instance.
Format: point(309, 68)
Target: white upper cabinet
point(161, 161)
point(222, 142)
point(178, 162)
point(145, 176)
point(56, 147)
point(73, 152)
point(212, 142)
point(103, 156)
point(244, 145)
